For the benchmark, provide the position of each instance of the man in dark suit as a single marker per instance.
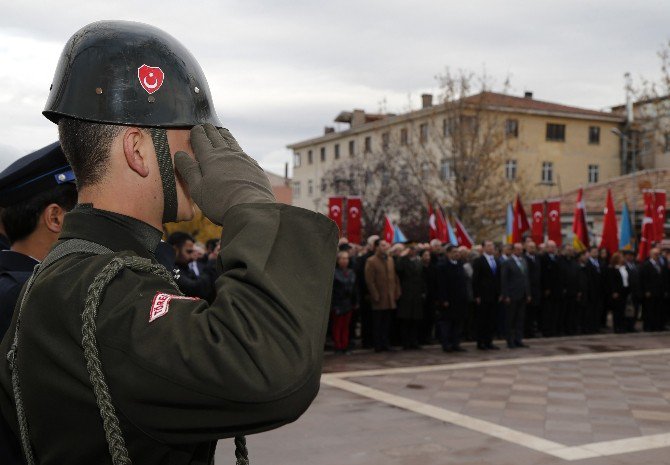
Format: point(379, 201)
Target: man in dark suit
point(194, 279)
point(486, 291)
point(595, 308)
point(652, 286)
point(452, 297)
point(515, 292)
point(552, 290)
point(535, 278)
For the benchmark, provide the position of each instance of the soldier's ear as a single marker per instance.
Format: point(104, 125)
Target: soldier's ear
point(138, 150)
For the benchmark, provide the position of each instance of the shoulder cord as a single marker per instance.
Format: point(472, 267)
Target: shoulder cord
point(113, 433)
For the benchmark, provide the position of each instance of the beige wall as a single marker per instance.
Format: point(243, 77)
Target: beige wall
point(570, 158)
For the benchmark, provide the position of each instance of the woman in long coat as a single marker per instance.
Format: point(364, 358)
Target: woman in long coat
point(343, 303)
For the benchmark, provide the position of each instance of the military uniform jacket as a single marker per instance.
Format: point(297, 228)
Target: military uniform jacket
point(192, 373)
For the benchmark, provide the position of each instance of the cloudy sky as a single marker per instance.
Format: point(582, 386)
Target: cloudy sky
point(282, 70)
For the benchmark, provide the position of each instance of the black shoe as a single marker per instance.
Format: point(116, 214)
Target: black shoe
point(492, 347)
point(512, 346)
point(379, 349)
point(447, 349)
point(389, 349)
point(522, 345)
point(482, 347)
point(459, 349)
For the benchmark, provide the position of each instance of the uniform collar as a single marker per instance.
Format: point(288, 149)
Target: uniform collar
point(15, 261)
point(113, 230)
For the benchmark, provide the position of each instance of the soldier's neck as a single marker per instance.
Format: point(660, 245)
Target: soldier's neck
point(123, 202)
point(37, 245)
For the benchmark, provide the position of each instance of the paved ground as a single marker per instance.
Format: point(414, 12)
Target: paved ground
point(590, 400)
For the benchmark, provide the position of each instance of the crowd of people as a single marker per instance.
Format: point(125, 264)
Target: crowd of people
point(414, 294)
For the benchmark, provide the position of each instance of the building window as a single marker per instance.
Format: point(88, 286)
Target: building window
point(512, 128)
point(594, 174)
point(323, 154)
point(385, 140)
point(403, 136)
point(445, 128)
point(594, 135)
point(423, 133)
point(556, 132)
point(446, 172)
point(352, 147)
point(296, 160)
point(337, 151)
point(368, 144)
point(547, 172)
point(510, 169)
point(310, 158)
point(310, 188)
point(666, 149)
point(296, 189)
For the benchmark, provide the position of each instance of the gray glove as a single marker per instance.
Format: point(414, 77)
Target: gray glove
point(223, 175)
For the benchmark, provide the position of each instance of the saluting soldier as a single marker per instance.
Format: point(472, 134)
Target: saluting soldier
point(107, 362)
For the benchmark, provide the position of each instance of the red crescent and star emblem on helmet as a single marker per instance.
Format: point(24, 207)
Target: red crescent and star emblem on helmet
point(151, 77)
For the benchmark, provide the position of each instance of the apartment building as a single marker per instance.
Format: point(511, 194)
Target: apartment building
point(554, 148)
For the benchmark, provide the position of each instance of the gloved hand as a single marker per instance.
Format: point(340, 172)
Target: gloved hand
point(223, 175)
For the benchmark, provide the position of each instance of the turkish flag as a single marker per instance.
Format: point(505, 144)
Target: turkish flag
point(610, 239)
point(580, 240)
point(462, 234)
point(659, 217)
point(554, 221)
point(520, 225)
point(537, 226)
point(648, 231)
point(442, 231)
point(388, 230)
point(335, 211)
point(354, 223)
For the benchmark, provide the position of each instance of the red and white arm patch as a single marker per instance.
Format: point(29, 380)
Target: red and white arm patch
point(161, 304)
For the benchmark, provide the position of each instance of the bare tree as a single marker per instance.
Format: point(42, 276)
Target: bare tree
point(452, 154)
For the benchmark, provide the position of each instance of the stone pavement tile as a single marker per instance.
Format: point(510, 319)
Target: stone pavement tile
point(533, 400)
point(578, 427)
point(530, 387)
point(524, 415)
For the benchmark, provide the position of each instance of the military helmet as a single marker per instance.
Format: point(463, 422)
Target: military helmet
point(124, 72)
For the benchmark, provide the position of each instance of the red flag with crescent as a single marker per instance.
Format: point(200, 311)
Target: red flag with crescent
point(610, 237)
point(648, 232)
point(335, 211)
point(554, 221)
point(354, 222)
point(537, 224)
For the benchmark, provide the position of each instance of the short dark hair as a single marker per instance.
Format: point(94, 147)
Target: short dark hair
point(20, 220)
point(179, 238)
point(86, 146)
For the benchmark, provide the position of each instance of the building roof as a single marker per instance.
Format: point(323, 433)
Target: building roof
point(495, 101)
point(627, 188)
point(507, 102)
point(276, 179)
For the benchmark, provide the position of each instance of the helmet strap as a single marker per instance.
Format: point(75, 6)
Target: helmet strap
point(159, 137)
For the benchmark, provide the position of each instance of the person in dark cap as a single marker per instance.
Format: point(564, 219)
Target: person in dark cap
point(35, 193)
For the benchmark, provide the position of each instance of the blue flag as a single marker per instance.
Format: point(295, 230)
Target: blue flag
point(452, 234)
point(626, 238)
point(398, 236)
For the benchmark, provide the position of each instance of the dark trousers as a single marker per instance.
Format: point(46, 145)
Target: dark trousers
point(618, 307)
point(571, 315)
point(381, 327)
point(514, 319)
point(592, 316)
point(485, 317)
point(367, 338)
point(409, 332)
point(451, 326)
point(652, 314)
point(552, 313)
point(532, 322)
point(427, 324)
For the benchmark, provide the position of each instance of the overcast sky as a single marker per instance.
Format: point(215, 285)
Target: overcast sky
point(281, 70)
